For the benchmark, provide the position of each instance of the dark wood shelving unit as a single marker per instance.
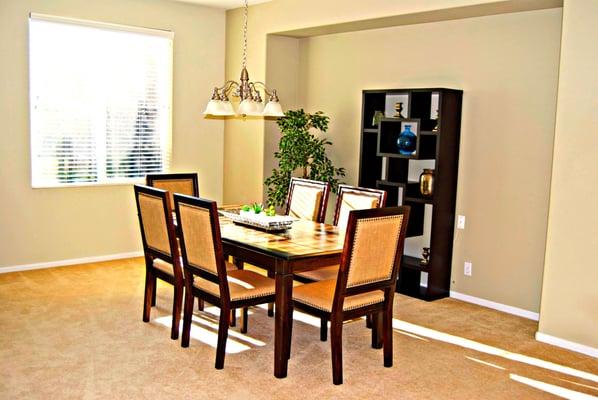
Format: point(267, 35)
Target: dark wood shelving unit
point(383, 167)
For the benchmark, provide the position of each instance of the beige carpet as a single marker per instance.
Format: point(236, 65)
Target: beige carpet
point(76, 332)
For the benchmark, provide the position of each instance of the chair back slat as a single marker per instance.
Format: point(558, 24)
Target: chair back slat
point(183, 183)
point(307, 199)
point(356, 198)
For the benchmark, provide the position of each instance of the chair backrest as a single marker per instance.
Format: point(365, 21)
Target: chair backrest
point(157, 228)
point(201, 243)
point(183, 183)
point(356, 198)
point(372, 252)
point(307, 199)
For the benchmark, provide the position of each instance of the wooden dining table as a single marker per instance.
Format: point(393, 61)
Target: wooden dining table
point(306, 246)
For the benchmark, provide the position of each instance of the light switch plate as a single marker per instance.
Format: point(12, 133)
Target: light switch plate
point(467, 268)
point(460, 221)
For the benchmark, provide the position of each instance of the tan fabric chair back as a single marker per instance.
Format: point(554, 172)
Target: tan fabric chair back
point(183, 183)
point(306, 202)
point(350, 201)
point(197, 229)
point(375, 246)
point(153, 223)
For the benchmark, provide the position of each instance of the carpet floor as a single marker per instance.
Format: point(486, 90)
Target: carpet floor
point(76, 332)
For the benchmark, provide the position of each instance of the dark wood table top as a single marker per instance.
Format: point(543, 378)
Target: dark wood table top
point(304, 239)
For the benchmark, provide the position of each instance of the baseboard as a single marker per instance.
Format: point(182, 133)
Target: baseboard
point(72, 261)
point(566, 344)
point(496, 306)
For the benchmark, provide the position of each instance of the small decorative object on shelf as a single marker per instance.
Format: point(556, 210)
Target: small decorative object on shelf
point(426, 182)
point(435, 129)
point(425, 256)
point(407, 141)
point(378, 115)
point(399, 110)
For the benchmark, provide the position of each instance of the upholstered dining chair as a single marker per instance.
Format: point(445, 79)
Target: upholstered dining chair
point(349, 198)
point(365, 283)
point(160, 248)
point(206, 274)
point(183, 183)
point(307, 199)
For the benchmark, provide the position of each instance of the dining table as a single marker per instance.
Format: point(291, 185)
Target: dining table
point(307, 245)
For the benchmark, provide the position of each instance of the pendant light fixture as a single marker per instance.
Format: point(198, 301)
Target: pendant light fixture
point(247, 91)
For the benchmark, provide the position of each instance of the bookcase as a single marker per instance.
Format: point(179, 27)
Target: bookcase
point(435, 116)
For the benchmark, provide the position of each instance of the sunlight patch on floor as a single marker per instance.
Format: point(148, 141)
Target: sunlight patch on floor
point(206, 331)
point(552, 389)
point(483, 348)
point(485, 363)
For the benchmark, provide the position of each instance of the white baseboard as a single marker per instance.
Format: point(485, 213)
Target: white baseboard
point(72, 261)
point(566, 344)
point(496, 306)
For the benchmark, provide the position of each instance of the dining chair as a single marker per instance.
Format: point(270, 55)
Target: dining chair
point(160, 248)
point(307, 199)
point(349, 198)
point(184, 183)
point(365, 284)
point(206, 274)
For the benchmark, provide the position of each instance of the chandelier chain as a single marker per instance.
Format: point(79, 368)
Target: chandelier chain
point(245, 35)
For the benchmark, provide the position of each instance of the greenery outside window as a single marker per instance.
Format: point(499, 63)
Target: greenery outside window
point(100, 98)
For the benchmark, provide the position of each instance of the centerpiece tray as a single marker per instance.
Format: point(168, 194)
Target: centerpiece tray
point(276, 223)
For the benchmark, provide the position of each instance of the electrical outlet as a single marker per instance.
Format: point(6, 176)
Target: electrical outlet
point(467, 268)
point(460, 221)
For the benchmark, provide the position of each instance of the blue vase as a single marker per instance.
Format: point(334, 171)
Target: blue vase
point(407, 141)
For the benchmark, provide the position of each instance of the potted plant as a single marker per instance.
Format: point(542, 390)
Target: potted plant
point(303, 152)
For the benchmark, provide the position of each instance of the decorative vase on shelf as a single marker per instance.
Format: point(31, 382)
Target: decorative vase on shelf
point(407, 141)
point(425, 260)
point(426, 182)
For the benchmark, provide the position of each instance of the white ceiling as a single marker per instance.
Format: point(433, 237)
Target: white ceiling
point(226, 4)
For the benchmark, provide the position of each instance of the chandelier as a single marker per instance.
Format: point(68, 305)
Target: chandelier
point(248, 92)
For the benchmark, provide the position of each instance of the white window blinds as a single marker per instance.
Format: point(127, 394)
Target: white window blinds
point(101, 99)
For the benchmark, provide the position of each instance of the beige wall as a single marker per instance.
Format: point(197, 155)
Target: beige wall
point(507, 66)
point(570, 292)
point(40, 225)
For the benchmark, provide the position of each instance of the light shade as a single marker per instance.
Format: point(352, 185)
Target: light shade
point(273, 109)
point(248, 107)
point(219, 107)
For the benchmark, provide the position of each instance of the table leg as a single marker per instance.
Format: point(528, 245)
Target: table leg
point(282, 322)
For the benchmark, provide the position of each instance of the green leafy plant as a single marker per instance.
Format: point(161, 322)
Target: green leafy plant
point(301, 150)
point(257, 208)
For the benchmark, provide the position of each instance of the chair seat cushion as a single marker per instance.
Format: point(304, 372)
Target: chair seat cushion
point(242, 285)
point(321, 294)
point(165, 266)
point(320, 274)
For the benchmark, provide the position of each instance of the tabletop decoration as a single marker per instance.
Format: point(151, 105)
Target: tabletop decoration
point(256, 216)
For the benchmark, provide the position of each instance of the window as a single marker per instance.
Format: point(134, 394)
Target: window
point(100, 97)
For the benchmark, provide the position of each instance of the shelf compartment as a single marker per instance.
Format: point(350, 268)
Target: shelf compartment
point(413, 194)
point(389, 131)
point(416, 218)
point(372, 102)
point(413, 263)
point(395, 192)
point(371, 164)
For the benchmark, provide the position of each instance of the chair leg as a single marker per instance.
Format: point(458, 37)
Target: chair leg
point(200, 304)
point(323, 329)
point(222, 335)
point(387, 337)
point(240, 264)
point(336, 346)
point(377, 330)
point(233, 318)
point(176, 311)
point(188, 313)
point(150, 289)
point(368, 321)
point(155, 291)
point(245, 320)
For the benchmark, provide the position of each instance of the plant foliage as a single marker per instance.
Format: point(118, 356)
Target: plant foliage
point(302, 151)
